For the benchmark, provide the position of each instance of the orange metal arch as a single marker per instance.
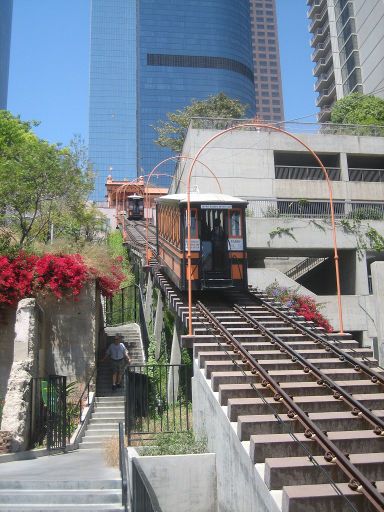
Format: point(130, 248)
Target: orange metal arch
point(276, 129)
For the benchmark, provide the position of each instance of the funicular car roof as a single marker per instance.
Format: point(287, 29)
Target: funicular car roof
point(202, 198)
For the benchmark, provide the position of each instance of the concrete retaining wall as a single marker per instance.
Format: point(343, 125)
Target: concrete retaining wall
point(182, 482)
point(378, 290)
point(240, 488)
point(70, 334)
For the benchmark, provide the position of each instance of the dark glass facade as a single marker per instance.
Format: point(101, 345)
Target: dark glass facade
point(5, 44)
point(266, 60)
point(171, 53)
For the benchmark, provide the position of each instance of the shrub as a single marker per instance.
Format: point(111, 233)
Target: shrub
point(366, 213)
point(62, 275)
point(175, 443)
point(303, 305)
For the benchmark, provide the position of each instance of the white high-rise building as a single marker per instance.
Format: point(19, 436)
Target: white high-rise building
point(348, 49)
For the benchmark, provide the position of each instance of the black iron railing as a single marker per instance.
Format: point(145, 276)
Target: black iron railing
point(158, 399)
point(75, 411)
point(125, 307)
point(122, 307)
point(143, 496)
point(49, 413)
point(124, 471)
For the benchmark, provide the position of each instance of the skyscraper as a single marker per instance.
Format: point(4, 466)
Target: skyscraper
point(5, 45)
point(348, 49)
point(149, 58)
point(266, 60)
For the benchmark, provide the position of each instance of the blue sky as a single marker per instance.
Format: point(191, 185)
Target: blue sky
point(50, 67)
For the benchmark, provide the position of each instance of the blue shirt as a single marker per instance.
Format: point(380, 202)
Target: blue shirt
point(116, 351)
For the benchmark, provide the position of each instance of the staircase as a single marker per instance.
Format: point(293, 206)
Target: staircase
point(131, 335)
point(304, 267)
point(108, 411)
point(76, 481)
point(59, 496)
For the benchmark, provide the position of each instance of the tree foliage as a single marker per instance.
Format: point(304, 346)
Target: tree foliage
point(172, 133)
point(358, 108)
point(41, 184)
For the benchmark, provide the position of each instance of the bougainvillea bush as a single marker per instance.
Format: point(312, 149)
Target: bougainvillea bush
point(63, 275)
point(303, 305)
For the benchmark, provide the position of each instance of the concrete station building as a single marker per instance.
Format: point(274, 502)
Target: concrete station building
point(289, 234)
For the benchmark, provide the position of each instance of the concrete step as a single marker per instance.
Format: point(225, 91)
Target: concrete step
point(99, 437)
point(60, 484)
point(294, 340)
point(329, 421)
point(302, 471)
point(58, 496)
point(280, 364)
point(91, 445)
point(314, 403)
point(305, 497)
point(227, 391)
point(306, 349)
point(26, 507)
point(283, 445)
point(317, 357)
point(107, 419)
point(103, 427)
point(108, 409)
point(280, 375)
point(113, 400)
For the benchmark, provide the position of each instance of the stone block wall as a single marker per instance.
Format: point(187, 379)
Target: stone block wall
point(5, 442)
point(7, 336)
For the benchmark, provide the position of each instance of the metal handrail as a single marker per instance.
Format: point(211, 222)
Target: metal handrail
point(313, 209)
point(80, 401)
point(126, 498)
point(306, 265)
point(152, 500)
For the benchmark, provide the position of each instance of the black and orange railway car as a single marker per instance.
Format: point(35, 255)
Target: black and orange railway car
point(135, 207)
point(218, 240)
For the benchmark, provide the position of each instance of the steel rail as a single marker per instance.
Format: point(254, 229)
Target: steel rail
point(358, 409)
point(375, 377)
point(280, 420)
point(358, 481)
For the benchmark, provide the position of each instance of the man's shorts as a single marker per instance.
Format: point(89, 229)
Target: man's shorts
point(117, 365)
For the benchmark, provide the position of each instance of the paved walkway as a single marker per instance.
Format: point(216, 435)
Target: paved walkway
point(79, 464)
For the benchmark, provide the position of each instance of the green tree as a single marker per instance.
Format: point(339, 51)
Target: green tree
point(358, 108)
point(40, 183)
point(172, 133)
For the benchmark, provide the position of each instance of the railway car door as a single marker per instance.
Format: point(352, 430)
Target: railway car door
point(215, 263)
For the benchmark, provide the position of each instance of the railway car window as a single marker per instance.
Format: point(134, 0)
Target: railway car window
point(235, 223)
point(194, 227)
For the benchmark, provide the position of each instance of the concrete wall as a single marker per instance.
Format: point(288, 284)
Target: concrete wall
point(240, 487)
point(70, 334)
point(7, 336)
point(378, 289)
point(183, 482)
point(250, 156)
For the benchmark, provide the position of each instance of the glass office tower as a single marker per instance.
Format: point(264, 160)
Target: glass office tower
point(5, 45)
point(149, 58)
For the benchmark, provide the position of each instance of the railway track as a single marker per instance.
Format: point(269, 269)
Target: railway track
point(308, 407)
point(137, 236)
